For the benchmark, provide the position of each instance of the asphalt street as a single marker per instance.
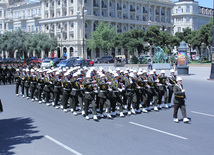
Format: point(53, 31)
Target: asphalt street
point(28, 127)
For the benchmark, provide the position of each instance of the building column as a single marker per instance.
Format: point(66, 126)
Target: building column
point(100, 7)
point(165, 10)
point(154, 14)
point(160, 13)
point(108, 8)
point(115, 8)
point(68, 53)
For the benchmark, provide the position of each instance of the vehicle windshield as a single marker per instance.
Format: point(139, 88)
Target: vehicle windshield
point(63, 62)
point(46, 61)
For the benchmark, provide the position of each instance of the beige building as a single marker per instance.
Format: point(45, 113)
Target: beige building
point(65, 19)
point(188, 13)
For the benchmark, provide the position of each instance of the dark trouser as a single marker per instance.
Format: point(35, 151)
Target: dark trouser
point(73, 102)
point(80, 99)
point(132, 99)
point(144, 98)
point(47, 96)
point(183, 110)
point(56, 98)
point(27, 91)
point(87, 103)
point(170, 95)
point(17, 88)
point(39, 94)
point(162, 93)
point(152, 95)
point(65, 98)
point(106, 102)
point(23, 88)
point(97, 101)
point(32, 89)
point(116, 100)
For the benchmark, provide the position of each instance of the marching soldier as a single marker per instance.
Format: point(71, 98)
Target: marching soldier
point(17, 81)
point(57, 89)
point(172, 81)
point(27, 83)
point(23, 78)
point(130, 88)
point(89, 97)
point(116, 95)
point(162, 89)
point(40, 85)
point(103, 96)
point(179, 101)
point(152, 91)
point(47, 82)
point(66, 92)
point(33, 84)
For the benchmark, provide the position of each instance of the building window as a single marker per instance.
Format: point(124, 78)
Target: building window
point(138, 8)
point(46, 5)
point(110, 4)
point(187, 19)
point(86, 1)
point(124, 6)
point(180, 10)
point(36, 12)
point(188, 8)
point(58, 2)
point(0, 13)
point(32, 12)
point(32, 28)
point(28, 28)
point(39, 11)
point(179, 29)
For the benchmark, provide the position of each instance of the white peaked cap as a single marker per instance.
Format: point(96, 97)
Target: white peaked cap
point(179, 79)
point(162, 71)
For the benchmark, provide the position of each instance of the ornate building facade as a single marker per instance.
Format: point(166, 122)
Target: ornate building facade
point(188, 13)
point(72, 21)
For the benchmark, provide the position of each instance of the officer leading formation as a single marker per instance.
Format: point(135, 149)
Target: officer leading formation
point(98, 92)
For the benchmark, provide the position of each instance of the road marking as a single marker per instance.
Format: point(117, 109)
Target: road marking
point(167, 133)
point(62, 145)
point(202, 113)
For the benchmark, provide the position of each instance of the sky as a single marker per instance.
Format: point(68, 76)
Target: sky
point(204, 3)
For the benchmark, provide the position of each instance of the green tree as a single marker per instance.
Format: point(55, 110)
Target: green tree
point(103, 38)
point(153, 35)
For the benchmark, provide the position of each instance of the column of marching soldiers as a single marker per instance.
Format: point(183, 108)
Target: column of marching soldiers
point(102, 92)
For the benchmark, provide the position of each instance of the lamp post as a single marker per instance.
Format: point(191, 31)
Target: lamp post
point(84, 12)
point(61, 39)
point(212, 52)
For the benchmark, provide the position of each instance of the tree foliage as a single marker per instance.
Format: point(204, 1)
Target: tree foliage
point(21, 41)
point(102, 38)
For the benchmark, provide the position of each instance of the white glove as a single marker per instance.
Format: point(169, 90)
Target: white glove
point(22, 78)
point(96, 91)
point(138, 87)
point(120, 90)
point(183, 91)
point(50, 82)
point(110, 89)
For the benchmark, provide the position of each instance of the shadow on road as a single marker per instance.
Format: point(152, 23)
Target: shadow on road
point(16, 131)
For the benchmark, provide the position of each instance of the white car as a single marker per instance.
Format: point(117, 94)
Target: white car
point(46, 64)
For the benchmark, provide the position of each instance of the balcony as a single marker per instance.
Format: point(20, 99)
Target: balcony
point(51, 7)
point(132, 10)
point(23, 18)
point(38, 16)
point(104, 6)
point(95, 5)
point(119, 8)
point(64, 5)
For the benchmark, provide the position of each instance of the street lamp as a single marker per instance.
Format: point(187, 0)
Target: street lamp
point(61, 39)
point(84, 12)
point(163, 28)
point(212, 64)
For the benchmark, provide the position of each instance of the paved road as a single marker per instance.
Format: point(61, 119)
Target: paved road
point(30, 128)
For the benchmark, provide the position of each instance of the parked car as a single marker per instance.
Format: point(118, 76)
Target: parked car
point(66, 63)
point(91, 62)
point(9, 60)
point(38, 60)
point(46, 64)
point(57, 61)
point(97, 60)
point(107, 59)
point(120, 58)
point(81, 62)
point(50, 58)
